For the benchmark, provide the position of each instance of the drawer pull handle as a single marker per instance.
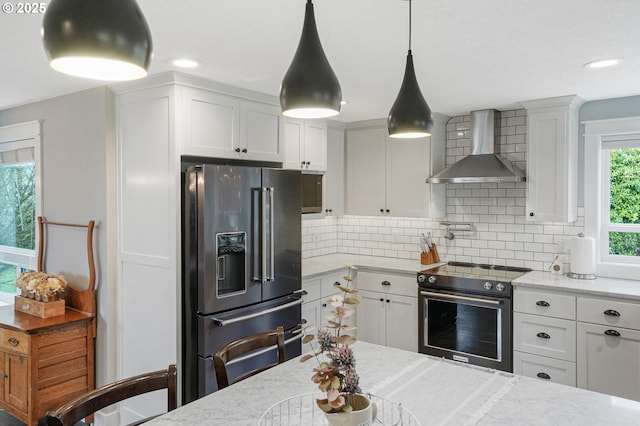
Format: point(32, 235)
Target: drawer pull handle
point(612, 333)
point(336, 284)
point(14, 342)
point(543, 303)
point(543, 335)
point(544, 376)
point(612, 313)
point(386, 283)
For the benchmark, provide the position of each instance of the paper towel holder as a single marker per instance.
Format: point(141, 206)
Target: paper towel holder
point(581, 276)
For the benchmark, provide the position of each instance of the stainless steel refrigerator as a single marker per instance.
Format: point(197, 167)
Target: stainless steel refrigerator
point(241, 263)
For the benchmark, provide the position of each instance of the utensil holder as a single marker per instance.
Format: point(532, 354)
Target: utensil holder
point(430, 257)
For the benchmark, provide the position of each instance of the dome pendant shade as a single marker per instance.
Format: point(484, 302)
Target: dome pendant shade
point(97, 39)
point(310, 88)
point(410, 116)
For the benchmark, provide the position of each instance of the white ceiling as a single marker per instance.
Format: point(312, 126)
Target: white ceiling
point(468, 54)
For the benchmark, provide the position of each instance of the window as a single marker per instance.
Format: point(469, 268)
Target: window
point(612, 196)
point(19, 202)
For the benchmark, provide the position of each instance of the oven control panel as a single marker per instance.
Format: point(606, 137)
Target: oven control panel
point(464, 284)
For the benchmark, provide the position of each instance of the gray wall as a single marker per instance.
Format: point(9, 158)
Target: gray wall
point(78, 185)
point(602, 110)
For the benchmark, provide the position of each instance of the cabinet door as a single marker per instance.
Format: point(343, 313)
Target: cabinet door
point(371, 317)
point(552, 159)
point(16, 381)
point(402, 322)
point(334, 183)
point(545, 179)
point(211, 124)
point(608, 363)
point(260, 131)
point(315, 145)
point(407, 168)
point(366, 175)
point(293, 139)
point(312, 314)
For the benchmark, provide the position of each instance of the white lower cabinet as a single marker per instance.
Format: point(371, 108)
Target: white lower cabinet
point(544, 335)
point(388, 309)
point(315, 308)
point(609, 347)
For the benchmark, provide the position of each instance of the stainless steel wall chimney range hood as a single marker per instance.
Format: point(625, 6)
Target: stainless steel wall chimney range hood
point(483, 165)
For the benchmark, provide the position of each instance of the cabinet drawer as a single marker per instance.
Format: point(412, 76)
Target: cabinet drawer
point(404, 285)
point(543, 368)
point(609, 312)
point(552, 337)
point(543, 303)
point(312, 287)
point(15, 341)
point(330, 283)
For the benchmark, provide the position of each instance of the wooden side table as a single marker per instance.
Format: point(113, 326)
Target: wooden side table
point(44, 362)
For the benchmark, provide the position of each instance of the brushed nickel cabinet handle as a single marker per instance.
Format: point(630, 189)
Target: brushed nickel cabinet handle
point(14, 342)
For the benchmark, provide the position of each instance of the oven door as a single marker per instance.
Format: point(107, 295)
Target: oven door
point(467, 328)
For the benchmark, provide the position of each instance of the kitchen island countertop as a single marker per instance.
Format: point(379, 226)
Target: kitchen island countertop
point(436, 391)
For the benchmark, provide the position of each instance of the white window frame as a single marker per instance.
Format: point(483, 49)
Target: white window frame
point(18, 136)
point(608, 134)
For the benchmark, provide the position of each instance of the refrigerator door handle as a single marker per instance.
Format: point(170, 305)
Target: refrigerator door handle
point(263, 350)
point(263, 235)
point(272, 274)
point(221, 322)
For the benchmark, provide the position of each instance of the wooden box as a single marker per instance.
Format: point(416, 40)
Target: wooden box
point(38, 308)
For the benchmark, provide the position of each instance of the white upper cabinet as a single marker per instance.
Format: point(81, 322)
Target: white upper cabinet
point(334, 177)
point(260, 131)
point(305, 144)
point(552, 159)
point(217, 125)
point(386, 176)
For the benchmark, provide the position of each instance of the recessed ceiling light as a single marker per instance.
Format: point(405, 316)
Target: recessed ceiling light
point(602, 63)
point(185, 63)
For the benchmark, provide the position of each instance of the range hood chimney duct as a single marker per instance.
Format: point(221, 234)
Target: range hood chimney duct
point(483, 165)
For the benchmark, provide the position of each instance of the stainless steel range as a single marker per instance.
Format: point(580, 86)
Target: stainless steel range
point(465, 313)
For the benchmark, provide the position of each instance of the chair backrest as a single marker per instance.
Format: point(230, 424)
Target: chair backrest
point(87, 404)
point(243, 346)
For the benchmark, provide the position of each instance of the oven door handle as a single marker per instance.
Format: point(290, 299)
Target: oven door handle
point(222, 322)
point(456, 297)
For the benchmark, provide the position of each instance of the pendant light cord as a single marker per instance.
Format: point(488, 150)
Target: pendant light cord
point(409, 25)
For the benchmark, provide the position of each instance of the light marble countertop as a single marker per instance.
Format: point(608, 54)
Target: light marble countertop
point(436, 391)
point(324, 264)
point(601, 286)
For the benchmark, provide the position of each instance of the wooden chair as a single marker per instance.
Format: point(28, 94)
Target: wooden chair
point(87, 404)
point(243, 346)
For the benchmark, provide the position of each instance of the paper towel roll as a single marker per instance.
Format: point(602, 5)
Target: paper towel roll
point(583, 255)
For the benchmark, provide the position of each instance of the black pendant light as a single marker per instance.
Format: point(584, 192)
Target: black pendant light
point(98, 39)
point(310, 88)
point(410, 116)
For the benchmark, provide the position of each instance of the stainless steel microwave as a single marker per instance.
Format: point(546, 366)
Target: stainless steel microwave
point(311, 193)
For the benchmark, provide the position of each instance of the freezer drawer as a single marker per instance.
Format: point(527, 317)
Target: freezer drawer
point(207, 375)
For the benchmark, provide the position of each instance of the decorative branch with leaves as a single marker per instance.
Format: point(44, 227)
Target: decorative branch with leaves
point(336, 375)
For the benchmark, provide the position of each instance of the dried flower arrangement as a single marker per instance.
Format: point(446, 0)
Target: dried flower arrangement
point(336, 376)
point(40, 285)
